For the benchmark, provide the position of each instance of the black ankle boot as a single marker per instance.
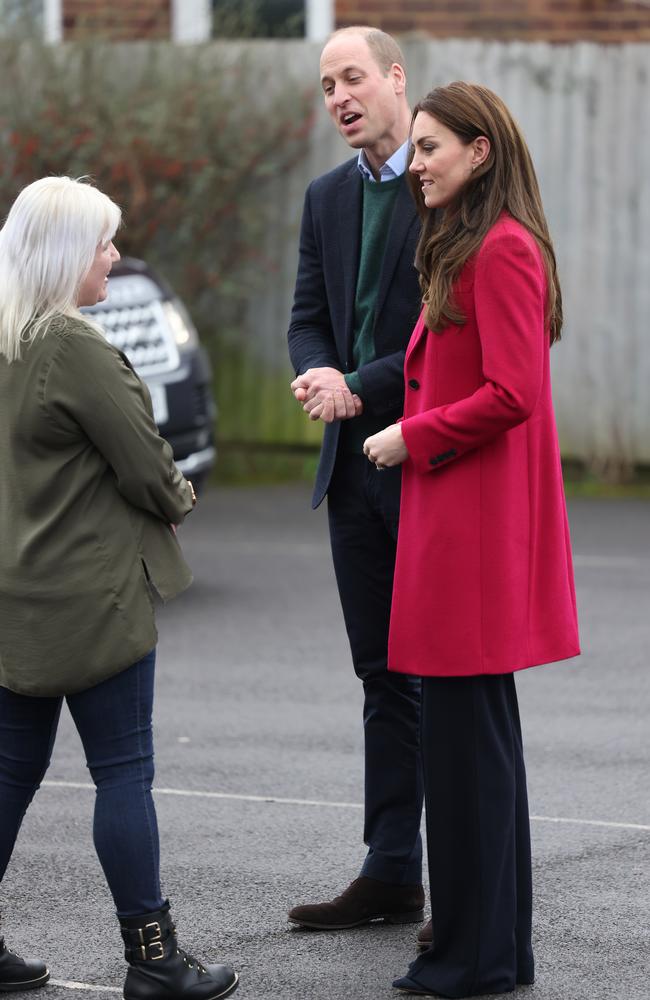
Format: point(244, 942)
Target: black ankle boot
point(160, 970)
point(19, 974)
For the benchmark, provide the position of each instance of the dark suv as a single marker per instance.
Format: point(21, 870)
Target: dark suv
point(142, 317)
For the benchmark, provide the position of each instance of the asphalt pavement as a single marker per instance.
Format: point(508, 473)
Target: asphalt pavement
point(259, 775)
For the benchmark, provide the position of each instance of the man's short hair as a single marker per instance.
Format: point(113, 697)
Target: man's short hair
point(383, 47)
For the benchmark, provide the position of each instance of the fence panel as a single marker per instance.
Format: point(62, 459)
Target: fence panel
point(585, 110)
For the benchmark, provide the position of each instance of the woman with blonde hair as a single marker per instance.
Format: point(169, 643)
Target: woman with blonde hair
point(484, 581)
point(89, 497)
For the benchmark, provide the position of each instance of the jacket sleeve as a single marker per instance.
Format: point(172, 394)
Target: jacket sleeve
point(509, 298)
point(92, 385)
point(311, 338)
point(382, 383)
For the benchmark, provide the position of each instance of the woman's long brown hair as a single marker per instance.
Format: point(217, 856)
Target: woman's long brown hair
point(505, 181)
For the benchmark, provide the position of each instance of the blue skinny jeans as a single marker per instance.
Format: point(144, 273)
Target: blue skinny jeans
point(114, 722)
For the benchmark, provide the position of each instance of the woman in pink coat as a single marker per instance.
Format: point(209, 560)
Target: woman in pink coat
point(483, 579)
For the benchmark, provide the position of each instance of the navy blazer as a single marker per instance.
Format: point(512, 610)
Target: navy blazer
point(322, 318)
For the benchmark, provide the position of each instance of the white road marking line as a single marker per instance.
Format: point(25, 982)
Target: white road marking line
point(287, 548)
point(611, 562)
point(69, 985)
point(219, 795)
point(276, 800)
point(322, 548)
point(591, 822)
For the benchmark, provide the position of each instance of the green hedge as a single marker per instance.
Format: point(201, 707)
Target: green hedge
point(184, 139)
point(188, 141)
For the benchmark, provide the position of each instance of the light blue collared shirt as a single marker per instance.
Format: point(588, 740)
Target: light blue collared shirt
point(394, 167)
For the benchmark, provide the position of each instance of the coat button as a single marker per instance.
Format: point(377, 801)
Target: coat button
point(413, 383)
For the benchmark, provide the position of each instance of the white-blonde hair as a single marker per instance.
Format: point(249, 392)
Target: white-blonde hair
point(47, 246)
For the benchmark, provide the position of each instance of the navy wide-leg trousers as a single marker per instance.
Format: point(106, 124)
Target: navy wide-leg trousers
point(478, 838)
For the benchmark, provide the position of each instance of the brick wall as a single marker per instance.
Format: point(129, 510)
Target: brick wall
point(558, 21)
point(117, 20)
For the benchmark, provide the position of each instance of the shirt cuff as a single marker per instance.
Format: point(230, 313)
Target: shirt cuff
point(353, 383)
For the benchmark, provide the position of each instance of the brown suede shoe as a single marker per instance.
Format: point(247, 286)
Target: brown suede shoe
point(364, 900)
point(425, 936)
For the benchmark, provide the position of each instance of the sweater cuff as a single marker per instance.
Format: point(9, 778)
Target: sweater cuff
point(353, 383)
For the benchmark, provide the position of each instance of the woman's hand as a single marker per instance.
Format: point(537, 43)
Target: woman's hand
point(386, 448)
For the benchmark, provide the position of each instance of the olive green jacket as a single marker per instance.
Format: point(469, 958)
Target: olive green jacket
point(88, 490)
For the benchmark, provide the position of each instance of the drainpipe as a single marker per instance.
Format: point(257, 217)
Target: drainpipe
point(52, 21)
point(319, 19)
point(191, 21)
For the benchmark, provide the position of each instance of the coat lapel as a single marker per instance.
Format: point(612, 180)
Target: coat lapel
point(416, 336)
point(349, 227)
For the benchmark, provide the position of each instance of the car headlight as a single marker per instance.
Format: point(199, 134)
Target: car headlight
point(181, 325)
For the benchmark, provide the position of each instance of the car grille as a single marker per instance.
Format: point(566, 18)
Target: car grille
point(202, 397)
point(133, 319)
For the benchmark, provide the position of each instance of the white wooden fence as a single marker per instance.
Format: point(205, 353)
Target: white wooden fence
point(585, 110)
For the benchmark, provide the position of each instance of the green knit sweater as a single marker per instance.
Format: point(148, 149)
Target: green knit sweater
point(378, 203)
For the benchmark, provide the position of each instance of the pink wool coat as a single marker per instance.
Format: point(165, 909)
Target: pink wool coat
point(484, 576)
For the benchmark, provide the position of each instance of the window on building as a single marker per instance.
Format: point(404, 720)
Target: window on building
point(24, 16)
point(258, 18)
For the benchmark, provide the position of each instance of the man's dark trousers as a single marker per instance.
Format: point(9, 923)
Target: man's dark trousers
point(363, 508)
point(363, 503)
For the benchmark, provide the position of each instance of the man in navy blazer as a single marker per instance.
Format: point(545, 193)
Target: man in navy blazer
point(356, 302)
